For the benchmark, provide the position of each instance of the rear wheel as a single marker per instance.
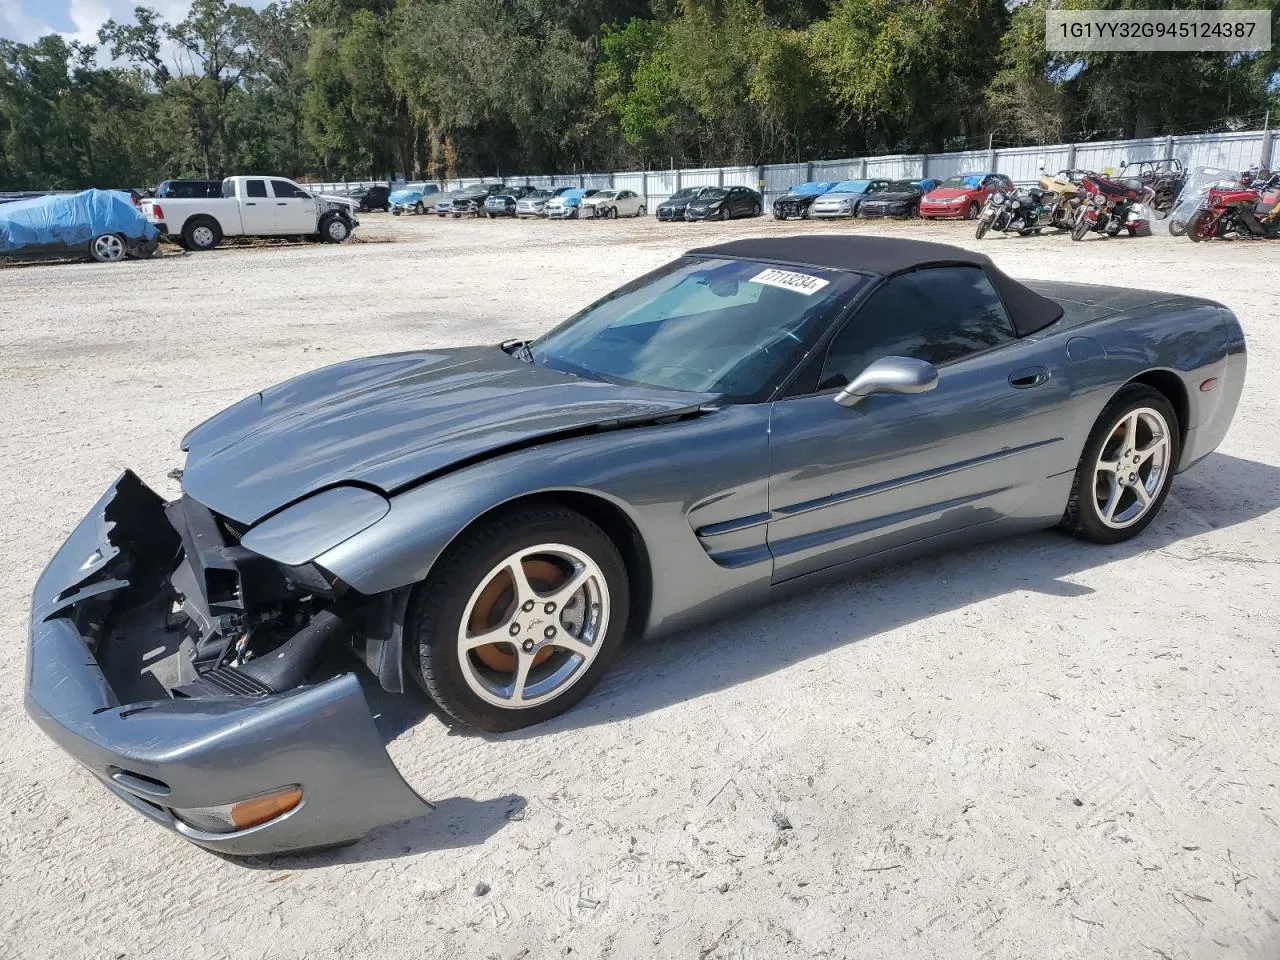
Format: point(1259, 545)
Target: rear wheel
point(201, 234)
point(1126, 467)
point(520, 621)
point(640, 212)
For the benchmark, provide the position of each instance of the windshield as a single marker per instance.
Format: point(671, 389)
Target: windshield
point(713, 193)
point(729, 327)
point(538, 195)
point(851, 186)
point(573, 195)
point(813, 187)
point(902, 186)
point(605, 195)
point(685, 193)
point(964, 182)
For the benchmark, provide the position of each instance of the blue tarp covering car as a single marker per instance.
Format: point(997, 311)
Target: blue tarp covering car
point(102, 223)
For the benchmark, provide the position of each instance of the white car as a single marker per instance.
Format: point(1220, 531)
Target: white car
point(613, 204)
point(253, 207)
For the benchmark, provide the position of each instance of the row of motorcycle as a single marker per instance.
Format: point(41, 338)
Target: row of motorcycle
point(1204, 204)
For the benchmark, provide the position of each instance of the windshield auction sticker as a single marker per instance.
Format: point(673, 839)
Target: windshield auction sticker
point(1144, 31)
point(799, 282)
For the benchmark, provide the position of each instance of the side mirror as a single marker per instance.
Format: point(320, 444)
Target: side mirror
point(890, 375)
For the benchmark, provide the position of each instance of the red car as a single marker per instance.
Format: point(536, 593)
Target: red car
point(963, 195)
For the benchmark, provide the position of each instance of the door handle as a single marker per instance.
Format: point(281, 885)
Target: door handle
point(282, 203)
point(1029, 377)
point(250, 203)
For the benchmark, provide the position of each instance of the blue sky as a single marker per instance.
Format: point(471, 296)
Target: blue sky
point(26, 20)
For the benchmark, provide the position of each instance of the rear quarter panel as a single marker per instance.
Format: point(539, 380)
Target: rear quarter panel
point(1192, 341)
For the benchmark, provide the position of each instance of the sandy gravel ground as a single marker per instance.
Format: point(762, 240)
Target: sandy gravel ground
point(1033, 749)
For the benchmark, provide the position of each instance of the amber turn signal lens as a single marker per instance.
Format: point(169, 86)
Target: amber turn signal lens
point(250, 813)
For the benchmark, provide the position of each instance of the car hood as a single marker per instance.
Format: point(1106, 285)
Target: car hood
point(801, 197)
point(675, 204)
point(386, 422)
point(951, 193)
point(887, 196)
point(835, 199)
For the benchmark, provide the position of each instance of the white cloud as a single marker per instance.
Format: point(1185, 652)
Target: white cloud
point(17, 23)
point(26, 20)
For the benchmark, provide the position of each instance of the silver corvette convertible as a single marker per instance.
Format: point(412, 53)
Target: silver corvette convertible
point(490, 524)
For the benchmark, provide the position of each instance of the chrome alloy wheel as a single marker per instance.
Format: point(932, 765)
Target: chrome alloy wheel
point(1132, 468)
point(108, 248)
point(533, 625)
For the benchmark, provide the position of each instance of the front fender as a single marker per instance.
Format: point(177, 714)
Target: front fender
point(686, 488)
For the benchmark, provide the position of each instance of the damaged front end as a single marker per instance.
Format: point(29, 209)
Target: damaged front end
point(172, 661)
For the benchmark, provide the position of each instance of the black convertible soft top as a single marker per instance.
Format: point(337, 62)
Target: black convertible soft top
point(887, 256)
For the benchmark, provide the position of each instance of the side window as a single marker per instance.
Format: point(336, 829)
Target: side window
point(938, 314)
point(284, 190)
point(255, 188)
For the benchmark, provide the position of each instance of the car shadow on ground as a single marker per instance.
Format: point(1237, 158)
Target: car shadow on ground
point(1221, 492)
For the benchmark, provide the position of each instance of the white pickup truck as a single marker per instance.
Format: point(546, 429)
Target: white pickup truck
point(253, 207)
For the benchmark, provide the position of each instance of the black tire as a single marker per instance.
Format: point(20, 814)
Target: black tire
point(1082, 518)
point(724, 213)
point(200, 234)
point(1080, 227)
point(334, 228)
point(983, 226)
point(1177, 228)
point(756, 211)
point(437, 606)
point(971, 212)
point(640, 212)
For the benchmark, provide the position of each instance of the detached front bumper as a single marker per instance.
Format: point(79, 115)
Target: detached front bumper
point(99, 611)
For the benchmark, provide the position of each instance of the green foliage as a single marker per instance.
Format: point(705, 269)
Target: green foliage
point(367, 88)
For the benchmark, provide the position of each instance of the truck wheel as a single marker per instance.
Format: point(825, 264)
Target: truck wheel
point(200, 234)
point(334, 228)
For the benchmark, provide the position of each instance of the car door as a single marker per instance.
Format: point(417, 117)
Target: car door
point(257, 213)
point(295, 208)
point(894, 469)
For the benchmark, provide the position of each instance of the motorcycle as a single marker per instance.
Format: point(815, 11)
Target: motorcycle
point(1020, 212)
point(1108, 207)
point(1240, 209)
point(1195, 193)
point(1064, 189)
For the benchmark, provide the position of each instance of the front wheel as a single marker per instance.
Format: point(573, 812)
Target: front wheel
point(983, 226)
point(1080, 227)
point(1126, 467)
point(640, 212)
point(417, 208)
point(520, 620)
point(108, 248)
point(1203, 227)
point(971, 212)
point(334, 228)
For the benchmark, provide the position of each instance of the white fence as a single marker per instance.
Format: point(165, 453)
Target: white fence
point(1236, 151)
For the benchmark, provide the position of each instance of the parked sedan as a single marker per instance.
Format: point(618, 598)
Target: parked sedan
point(470, 201)
point(963, 195)
point(104, 224)
point(796, 202)
point(724, 203)
point(611, 204)
point(565, 206)
point(901, 198)
point(674, 206)
point(377, 197)
point(413, 199)
point(492, 524)
point(845, 197)
point(504, 202)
